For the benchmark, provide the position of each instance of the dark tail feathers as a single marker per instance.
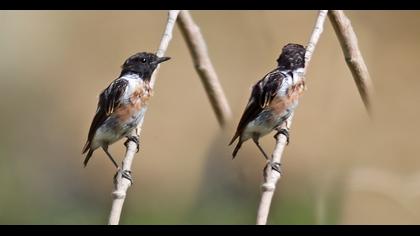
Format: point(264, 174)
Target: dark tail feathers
point(85, 149)
point(87, 157)
point(235, 151)
point(237, 145)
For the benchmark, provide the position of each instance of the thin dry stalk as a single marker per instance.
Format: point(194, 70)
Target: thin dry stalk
point(204, 67)
point(348, 41)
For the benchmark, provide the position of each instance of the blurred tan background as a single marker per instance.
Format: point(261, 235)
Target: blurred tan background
point(340, 168)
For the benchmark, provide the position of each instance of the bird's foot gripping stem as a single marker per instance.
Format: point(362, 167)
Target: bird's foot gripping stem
point(285, 132)
point(124, 174)
point(134, 139)
point(274, 166)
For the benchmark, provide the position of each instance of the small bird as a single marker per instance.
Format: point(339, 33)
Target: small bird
point(273, 99)
point(122, 105)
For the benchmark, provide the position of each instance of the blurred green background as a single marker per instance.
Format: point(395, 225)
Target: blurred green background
point(340, 168)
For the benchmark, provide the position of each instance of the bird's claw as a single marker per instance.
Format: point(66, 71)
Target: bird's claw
point(285, 132)
point(124, 174)
point(135, 139)
point(274, 166)
point(127, 174)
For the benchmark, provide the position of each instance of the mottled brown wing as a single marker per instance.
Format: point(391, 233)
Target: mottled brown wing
point(262, 94)
point(109, 99)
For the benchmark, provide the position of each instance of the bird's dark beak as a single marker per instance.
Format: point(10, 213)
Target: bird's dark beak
point(160, 60)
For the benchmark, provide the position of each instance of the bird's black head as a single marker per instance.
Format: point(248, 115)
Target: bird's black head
point(292, 57)
point(142, 64)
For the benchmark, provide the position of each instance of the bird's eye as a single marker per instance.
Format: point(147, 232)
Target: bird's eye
point(143, 60)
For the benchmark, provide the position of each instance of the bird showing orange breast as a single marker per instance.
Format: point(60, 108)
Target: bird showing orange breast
point(138, 100)
point(122, 104)
point(273, 98)
point(279, 104)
